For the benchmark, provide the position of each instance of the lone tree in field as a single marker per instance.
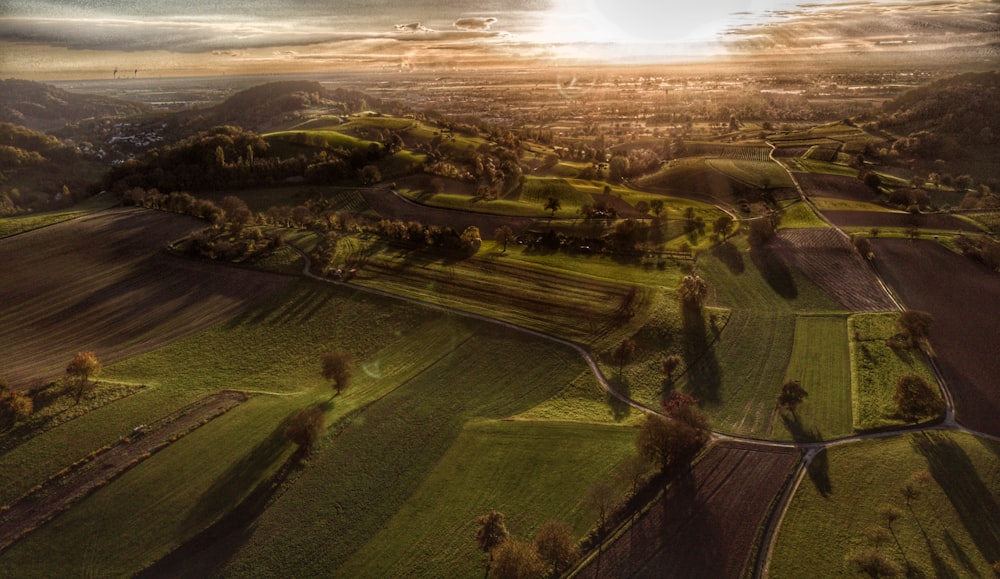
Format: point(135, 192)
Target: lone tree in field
point(669, 365)
point(305, 428)
point(623, 354)
point(555, 545)
point(915, 398)
point(792, 395)
point(80, 370)
point(504, 235)
point(491, 534)
point(693, 291)
point(553, 205)
point(916, 325)
point(337, 368)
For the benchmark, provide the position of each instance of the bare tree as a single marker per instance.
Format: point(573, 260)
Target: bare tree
point(504, 235)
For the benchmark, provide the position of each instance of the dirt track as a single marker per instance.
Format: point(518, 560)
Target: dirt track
point(60, 492)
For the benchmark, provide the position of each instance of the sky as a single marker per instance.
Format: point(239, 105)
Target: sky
point(95, 38)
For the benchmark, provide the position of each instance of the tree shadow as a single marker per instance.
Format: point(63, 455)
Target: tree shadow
point(775, 272)
point(703, 374)
point(206, 553)
point(731, 257)
point(818, 468)
point(960, 555)
point(619, 408)
point(956, 475)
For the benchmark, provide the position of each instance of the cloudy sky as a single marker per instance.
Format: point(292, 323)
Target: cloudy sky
point(50, 39)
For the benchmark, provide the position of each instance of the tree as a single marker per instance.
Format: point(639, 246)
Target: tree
point(84, 365)
point(553, 205)
point(623, 354)
point(873, 563)
point(792, 395)
point(337, 368)
point(915, 398)
point(669, 365)
point(600, 499)
point(723, 226)
point(517, 560)
point(491, 534)
point(237, 213)
point(471, 240)
point(916, 325)
point(618, 168)
point(15, 406)
point(370, 175)
point(504, 235)
point(632, 470)
point(305, 428)
point(555, 545)
point(657, 206)
point(693, 291)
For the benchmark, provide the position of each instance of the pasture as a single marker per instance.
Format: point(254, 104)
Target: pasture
point(950, 530)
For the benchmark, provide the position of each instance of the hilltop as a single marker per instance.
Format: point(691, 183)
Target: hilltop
point(44, 107)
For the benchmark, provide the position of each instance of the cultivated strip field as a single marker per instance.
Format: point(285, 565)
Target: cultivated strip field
point(103, 283)
point(938, 221)
point(828, 260)
point(835, 186)
point(91, 473)
point(707, 523)
point(964, 298)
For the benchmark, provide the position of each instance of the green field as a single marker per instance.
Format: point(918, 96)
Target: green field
point(800, 215)
point(821, 363)
point(758, 174)
point(419, 446)
point(951, 530)
point(875, 368)
point(738, 379)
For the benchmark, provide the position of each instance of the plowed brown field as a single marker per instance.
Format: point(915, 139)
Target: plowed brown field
point(964, 298)
point(835, 186)
point(705, 526)
point(104, 283)
point(829, 261)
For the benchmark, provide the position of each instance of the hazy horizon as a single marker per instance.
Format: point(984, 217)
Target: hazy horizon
point(43, 39)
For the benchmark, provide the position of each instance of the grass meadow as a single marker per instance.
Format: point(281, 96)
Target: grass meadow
point(876, 367)
point(952, 529)
point(821, 363)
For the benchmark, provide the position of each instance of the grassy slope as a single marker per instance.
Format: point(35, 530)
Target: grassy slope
point(821, 363)
point(953, 529)
point(369, 473)
point(519, 468)
point(285, 336)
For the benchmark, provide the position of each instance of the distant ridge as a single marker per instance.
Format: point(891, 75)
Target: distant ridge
point(44, 107)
